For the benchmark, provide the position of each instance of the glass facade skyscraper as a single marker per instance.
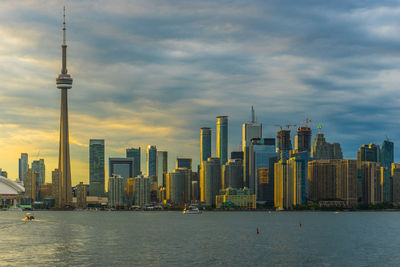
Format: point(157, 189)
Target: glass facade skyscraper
point(96, 167)
point(40, 170)
point(162, 167)
point(134, 153)
point(122, 167)
point(387, 158)
point(250, 130)
point(22, 167)
point(222, 139)
point(205, 143)
point(151, 157)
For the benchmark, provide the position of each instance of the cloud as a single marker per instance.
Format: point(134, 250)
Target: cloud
point(154, 72)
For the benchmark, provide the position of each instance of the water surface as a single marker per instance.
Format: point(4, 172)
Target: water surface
point(100, 238)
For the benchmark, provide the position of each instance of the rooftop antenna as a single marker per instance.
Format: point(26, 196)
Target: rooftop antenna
point(252, 114)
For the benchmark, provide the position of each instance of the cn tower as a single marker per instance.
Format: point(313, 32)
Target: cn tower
point(64, 83)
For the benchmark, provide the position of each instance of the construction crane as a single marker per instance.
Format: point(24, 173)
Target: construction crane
point(278, 125)
point(290, 125)
point(306, 122)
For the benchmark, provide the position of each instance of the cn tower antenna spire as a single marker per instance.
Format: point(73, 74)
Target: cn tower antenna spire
point(64, 27)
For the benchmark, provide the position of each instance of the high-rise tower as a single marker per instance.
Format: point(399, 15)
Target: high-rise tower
point(64, 83)
point(96, 167)
point(205, 143)
point(251, 130)
point(222, 139)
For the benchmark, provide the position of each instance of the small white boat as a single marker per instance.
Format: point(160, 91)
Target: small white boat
point(191, 210)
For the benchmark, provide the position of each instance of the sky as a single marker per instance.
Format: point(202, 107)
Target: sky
point(155, 72)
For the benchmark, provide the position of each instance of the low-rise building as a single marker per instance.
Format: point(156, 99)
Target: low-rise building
point(236, 198)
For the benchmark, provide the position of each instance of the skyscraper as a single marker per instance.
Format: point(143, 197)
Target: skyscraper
point(210, 180)
point(250, 130)
point(96, 167)
point(115, 191)
point(23, 166)
point(135, 154)
point(122, 167)
point(162, 167)
point(303, 139)
point(222, 139)
point(40, 169)
point(284, 144)
point(205, 143)
point(232, 174)
point(261, 151)
point(387, 158)
point(324, 150)
point(64, 83)
point(369, 153)
point(151, 157)
point(30, 185)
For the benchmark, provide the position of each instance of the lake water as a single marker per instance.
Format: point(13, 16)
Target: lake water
point(101, 238)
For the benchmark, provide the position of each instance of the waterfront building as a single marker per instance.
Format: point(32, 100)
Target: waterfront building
point(10, 190)
point(30, 185)
point(81, 195)
point(232, 174)
point(56, 187)
point(175, 185)
point(250, 130)
point(116, 191)
point(96, 167)
point(151, 158)
point(386, 160)
point(323, 150)
point(322, 180)
point(302, 142)
point(346, 181)
point(288, 184)
point(162, 167)
point(130, 190)
point(261, 152)
point(333, 180)
point(210, 180)
point(297, 178)
point(134, 153)
point(280, 175)
point(45, 191)
point(184, 163)
point(372, 183)
point(205, 143)
point(195, 191)
point(179, 186)
point(40, 169)
point(22, 167)
point(236, 198)
point(395, 172)
point(264, 184)
point(284, 144)
point(122, 167)
point(237, 155)
point(64, 83)
point(142, 190)
point(222, 139)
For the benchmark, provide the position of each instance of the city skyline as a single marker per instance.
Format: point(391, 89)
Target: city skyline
point(157, 104)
